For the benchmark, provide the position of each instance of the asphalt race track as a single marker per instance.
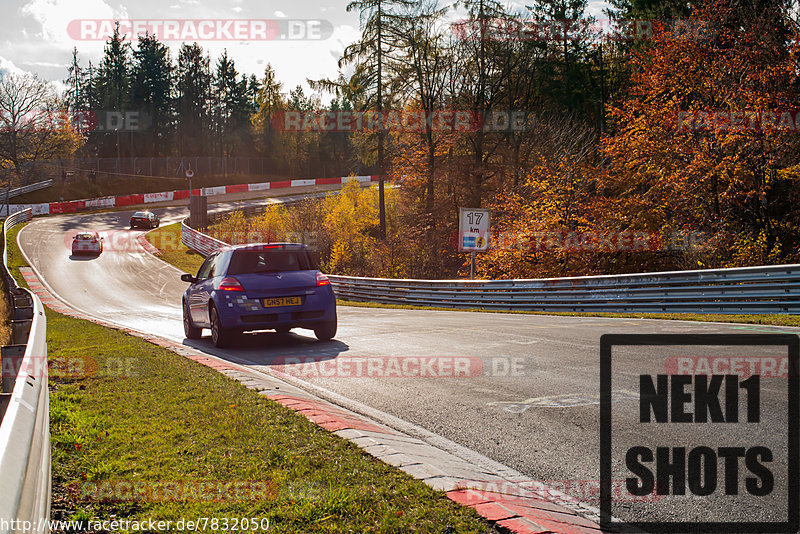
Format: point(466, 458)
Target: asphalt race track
point(528, 386)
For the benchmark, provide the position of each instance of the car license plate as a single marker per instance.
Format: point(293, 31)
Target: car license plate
point(283, 301)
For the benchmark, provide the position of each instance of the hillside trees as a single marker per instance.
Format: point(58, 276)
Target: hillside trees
point(34, 125)
point(703, 144)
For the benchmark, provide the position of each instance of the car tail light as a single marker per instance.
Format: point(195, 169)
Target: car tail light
point(322, 280)
point(230, 283)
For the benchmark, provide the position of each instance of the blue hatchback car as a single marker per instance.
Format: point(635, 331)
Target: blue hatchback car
point(265, 286)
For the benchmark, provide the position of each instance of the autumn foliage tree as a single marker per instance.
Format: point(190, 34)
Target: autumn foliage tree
point(705, 139)
point(531, 222)
point(34, 124)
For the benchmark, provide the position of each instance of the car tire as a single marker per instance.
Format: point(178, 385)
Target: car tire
point(221, 336)
point(189, 329)
point(326, 331)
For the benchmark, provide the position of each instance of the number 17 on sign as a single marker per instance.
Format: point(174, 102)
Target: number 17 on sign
point(473, 233)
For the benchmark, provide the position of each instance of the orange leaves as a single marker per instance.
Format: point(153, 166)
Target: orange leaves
point(713, 174)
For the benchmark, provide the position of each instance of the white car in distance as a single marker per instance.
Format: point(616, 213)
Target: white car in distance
point(87, 243)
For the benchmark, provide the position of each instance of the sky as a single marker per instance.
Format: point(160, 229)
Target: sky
point(301, 39)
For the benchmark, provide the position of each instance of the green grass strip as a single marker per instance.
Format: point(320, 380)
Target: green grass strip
point(167, 239)
point(755, 319)
point(125, 413)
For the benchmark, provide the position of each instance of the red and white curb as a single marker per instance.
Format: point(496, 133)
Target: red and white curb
point(145, 244)
point(73, 206)
point(509, 500)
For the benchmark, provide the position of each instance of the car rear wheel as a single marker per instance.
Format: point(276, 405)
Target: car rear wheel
point(189, 329)
point(326, 331)
point(222, 337)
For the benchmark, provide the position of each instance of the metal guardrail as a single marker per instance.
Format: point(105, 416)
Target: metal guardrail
point(195, 240)
point(768, 289)
point(17, 191)
point(24, 408)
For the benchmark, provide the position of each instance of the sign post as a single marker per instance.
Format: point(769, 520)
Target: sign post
point(472, 265)
point(473, 233)
point(189, 175)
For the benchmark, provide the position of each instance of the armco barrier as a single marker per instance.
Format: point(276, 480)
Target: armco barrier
point(769, 289)
point(202, 243)
point(73, 206)
point(17, 191)
point(24, 428)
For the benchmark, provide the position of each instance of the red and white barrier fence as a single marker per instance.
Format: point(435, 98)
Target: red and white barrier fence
point(196, 240)
point(165, 196)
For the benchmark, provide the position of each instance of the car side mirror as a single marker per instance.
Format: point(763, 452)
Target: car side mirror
point(188, 278)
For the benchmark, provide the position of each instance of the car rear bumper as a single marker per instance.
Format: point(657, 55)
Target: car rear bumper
point(76, 251)
point(315, 310)
point(302, 319)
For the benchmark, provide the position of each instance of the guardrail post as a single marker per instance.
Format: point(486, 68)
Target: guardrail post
point(20, 330)
point(5, 398)
point(11, 356)
point(23, 305)
point(22, 300)
point(22, 313)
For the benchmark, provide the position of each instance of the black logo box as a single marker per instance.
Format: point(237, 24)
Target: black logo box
point(792, 524)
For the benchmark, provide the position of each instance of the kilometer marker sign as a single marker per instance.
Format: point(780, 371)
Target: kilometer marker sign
point(473, 229)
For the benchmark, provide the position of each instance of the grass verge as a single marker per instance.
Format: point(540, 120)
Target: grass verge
point(167, 239)
point(774, 320)
point(139, 433)
point(5, 309)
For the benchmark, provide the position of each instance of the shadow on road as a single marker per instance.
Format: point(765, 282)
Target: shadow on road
point(272, 348)
point(83, 257)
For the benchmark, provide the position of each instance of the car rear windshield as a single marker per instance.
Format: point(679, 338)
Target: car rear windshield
point(270, 260)
point(85, 236)
point(141, 214)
